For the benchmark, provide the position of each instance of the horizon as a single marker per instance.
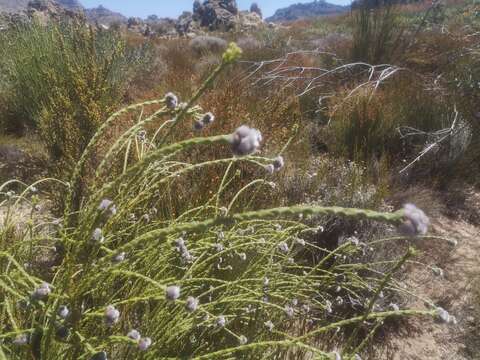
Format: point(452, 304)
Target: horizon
point(144, 8)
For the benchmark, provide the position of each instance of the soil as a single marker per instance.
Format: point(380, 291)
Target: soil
point(454, 291)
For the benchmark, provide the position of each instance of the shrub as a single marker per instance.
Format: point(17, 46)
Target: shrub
point(203, 45)
point(208, 282)
point(62, 79)
point(377, 33)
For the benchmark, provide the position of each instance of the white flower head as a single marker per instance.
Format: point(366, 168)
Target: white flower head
point(245, 141)
point(269, 325)
point(300, 242)
point(97, 236)
point(278, 163)
point(42, 292)
point(242, 340)
point(289, 311)
point(172, 293)
point(415, 221)
point(112, 315)
point(394, 307)
point(171, 101)
point(108, 206)
point(118, 258)
point(283, 247)
point(270, 169)
point(63, 311)
point(218, 247)
point(134, 335)
point(445, 317)
point(144, 343)
point(192, 304)
point(221, 321)
point(21, 340)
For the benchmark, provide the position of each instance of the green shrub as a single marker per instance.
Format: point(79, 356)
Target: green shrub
point(62, 79)
point(377, 33)
point(265, 288)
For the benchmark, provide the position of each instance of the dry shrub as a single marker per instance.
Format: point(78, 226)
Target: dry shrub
point(366, 124)
point(203, 45)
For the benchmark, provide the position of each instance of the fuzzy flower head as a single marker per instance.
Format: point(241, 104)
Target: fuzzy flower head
point(278, 163)
point(242, 340)
point(42, 292)
point(118, 258)
point(21, 340)
point(112, 315)
point(144, 343)
point(97, 236)
point(269, 325)
point(221, 321)
point(63, 311)
point(245, 141)
point(270, 169)
point(445, 317)
point(171, 101)
point(107, 206)
point(172, 293)
point(134, 335)
point(283, 247)
point(192, 304)
point(415, 221)
point(289, 311)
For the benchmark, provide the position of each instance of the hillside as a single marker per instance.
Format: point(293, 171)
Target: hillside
point(306, 10)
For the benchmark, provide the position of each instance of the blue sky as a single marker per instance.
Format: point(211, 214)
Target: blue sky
point(173, 8)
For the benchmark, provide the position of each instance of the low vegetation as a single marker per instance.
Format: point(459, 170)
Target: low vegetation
point(179, 230)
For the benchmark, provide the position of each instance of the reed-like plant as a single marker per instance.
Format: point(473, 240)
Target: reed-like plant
point(123, 275)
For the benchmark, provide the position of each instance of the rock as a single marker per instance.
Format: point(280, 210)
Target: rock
point(249, 21)
point(222, 15)
point(254, 8)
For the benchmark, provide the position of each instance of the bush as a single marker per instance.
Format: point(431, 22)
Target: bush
point(377, 33)
point(367, 124)
point(203, 45)
point(63, 79)
point(208, 282)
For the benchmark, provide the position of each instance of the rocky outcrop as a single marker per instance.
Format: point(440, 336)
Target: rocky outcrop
point(40, 10)
point(307, 10)
point(216, 15)
point(102, 15)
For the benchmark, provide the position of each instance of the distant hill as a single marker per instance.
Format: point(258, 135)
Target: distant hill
point(104, 16)
point(307, 10)
point(70, 4)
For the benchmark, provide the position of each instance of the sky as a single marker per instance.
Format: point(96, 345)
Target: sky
point(173, 8)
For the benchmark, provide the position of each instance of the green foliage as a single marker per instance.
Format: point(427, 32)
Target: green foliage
point(266, 289)
point(377, 33)
point(63, 79)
